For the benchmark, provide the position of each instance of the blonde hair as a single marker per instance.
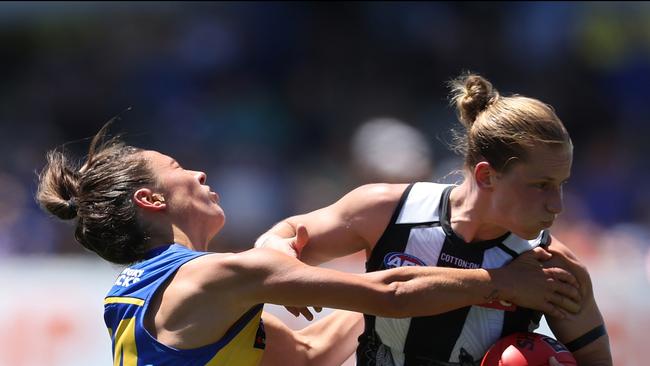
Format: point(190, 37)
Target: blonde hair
point(501, 129)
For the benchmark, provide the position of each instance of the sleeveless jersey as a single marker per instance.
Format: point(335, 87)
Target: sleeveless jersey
point(420, 233)
point(127, 302)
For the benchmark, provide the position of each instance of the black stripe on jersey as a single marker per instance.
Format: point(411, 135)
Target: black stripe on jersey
point(394, 239)
point(434, 337)
point(545, 241)
point(522, 319)
point(510, 252)
point(390, 241)
point(445, 222)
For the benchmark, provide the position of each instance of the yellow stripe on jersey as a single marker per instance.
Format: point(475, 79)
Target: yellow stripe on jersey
point(125, 349)
point(240, 351)
point(123, 300)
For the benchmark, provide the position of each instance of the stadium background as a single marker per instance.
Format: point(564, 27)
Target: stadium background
point(270, 99)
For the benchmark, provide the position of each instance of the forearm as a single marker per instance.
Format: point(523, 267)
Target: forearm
point(331, 340)
point(585, 336)
point(597, 353)
point(420, 291)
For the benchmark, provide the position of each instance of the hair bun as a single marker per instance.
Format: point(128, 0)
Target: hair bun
point(72, 205)
point(58, 186)
point(472, 94)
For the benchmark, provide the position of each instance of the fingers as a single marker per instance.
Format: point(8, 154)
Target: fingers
point(306, 313)
point(566, 295)
point(541, 254)
point(296, 311)
point(565, 303)
point(302, 237)
point(293, 310)
point(567, 290)
point(553, 362)
point(562, 275)
point(554, 311)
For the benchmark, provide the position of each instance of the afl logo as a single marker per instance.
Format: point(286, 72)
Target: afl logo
point(396, 259)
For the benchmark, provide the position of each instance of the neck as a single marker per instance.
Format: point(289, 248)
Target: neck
point(194, 242)
point(470, 214)
point(180, 236)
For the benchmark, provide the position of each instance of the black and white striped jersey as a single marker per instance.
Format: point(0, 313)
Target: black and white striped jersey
point(420, 233)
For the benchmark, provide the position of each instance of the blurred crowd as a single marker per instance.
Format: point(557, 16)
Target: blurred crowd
point(286, 106)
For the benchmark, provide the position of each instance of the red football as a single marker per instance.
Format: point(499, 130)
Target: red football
point(527, 349)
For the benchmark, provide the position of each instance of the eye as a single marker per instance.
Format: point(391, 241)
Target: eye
point(541, 185)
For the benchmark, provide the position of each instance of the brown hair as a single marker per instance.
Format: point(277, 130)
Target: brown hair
point(100, 194)
point(501, 129)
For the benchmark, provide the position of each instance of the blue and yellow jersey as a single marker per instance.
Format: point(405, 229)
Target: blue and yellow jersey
point(127, 302)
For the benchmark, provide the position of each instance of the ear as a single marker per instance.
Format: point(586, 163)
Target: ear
point(148, 200)
point(485, 175)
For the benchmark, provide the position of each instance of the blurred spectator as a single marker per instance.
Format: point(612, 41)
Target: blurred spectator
point(388, 150)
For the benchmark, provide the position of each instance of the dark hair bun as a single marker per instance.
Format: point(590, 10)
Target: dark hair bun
point(59, 185)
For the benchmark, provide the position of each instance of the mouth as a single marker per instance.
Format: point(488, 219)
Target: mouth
point(214, 197)
point(547, 224)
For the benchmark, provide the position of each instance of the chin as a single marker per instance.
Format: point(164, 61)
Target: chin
point(528, 234)
point(216, 221)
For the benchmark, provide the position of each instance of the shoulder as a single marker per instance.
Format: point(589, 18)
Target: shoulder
point(377, 193)
point(557, 247)
point(369, 203)
point(564, 257)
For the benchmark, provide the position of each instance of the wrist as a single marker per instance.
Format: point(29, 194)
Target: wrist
point(500, 285)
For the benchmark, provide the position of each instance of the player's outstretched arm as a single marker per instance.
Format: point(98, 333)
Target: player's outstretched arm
point(270, 276)
point(234, 283)
point(523, 282)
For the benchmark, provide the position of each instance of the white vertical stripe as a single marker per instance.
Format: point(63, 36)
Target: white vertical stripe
point(426, 243)
point(483, 325)
point(422, 203)
point(393, 332)
point(520, 245)
point(495, 258)
point(482, 328)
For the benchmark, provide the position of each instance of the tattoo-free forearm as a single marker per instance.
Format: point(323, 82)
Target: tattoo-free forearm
point(419, 291)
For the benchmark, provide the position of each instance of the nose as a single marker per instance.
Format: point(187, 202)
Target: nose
point(202, 177)
point(554, 204)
